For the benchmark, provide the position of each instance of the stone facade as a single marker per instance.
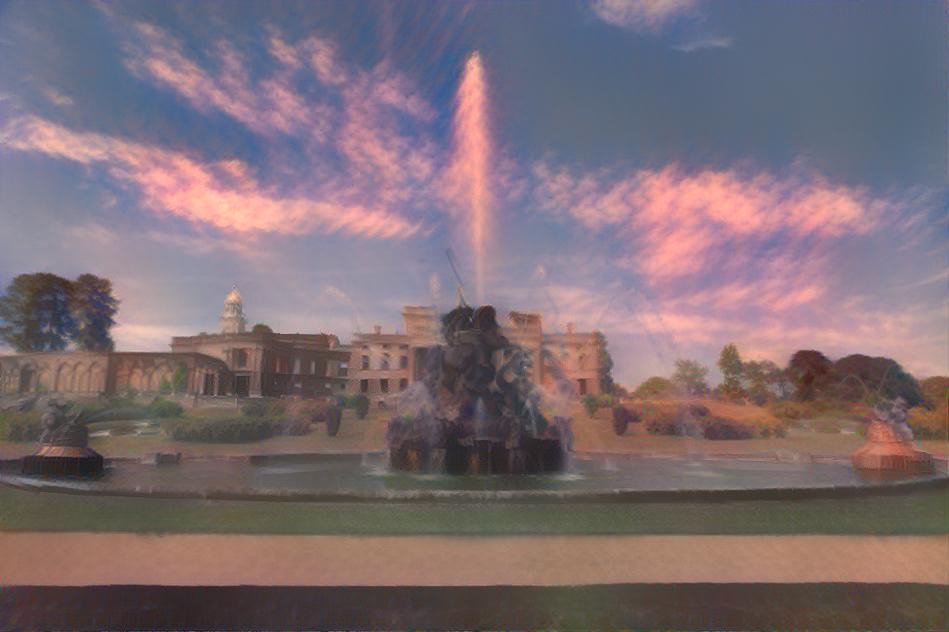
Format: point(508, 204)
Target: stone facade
point(233, 362)
point(384, 363)
point(274, 365)
point(92, 374)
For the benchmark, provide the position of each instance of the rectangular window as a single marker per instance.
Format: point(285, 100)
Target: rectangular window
point(365, 362)
point(384, 385)
point(403, 362)
point(363, 386)
point(312, 367)
point(384, 365)
point(403, 384)
point(240, 358)
point(296, 366)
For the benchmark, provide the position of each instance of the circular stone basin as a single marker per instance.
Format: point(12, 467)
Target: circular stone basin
point(593, 478)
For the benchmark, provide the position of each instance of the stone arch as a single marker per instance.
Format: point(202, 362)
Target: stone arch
point(44, 378)
point(74, 376)
point(137, 378)
point(94, 378)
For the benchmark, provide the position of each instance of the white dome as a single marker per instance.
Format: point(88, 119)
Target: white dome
point(234, 297)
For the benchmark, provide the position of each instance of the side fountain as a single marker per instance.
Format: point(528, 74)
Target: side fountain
point(889, 446)
point(476, 410)
point(64, 447)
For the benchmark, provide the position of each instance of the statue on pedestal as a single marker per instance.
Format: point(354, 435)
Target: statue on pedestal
point(64, 449)
point(889, 445)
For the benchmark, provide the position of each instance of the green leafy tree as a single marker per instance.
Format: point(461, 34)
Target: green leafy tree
point(606, 362)
point(729, 363)
point(759, 378)
point(35, 313)
point(94, 308)
point(859, 376)
point(179, 380)
point(655, 387)
point(261, 328)
point(689, 377)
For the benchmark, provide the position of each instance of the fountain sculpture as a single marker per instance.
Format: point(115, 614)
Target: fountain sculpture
point(889, 445)
point(476, 410)
point(64, 449)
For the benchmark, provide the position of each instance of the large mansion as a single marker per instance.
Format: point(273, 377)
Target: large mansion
point(233, 362)
point(383, 363)
point(261, 363)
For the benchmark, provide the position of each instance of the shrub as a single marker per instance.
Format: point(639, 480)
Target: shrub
point(165, 386)
point(242, 429)
point(20, 426)
point(929, 424)
point(622, 417)
point(334, 416)
point(162, 408)
point(716, 428)
point(264, 407)
point(295, 426)
point(591, 404)
point(118, 413)
point(360, 403)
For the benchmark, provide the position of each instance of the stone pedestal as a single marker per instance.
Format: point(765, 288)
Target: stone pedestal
point(65, 453)
point(886, 450)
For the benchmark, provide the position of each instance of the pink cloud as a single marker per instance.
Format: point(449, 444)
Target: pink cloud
point(223, 195)
point(684, 224)
point(269, 106)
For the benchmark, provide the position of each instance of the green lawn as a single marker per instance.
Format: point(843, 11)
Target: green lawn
point(921, 512)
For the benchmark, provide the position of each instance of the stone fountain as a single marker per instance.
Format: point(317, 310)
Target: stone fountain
point(476, 410)
point(64, 447)
point(889, 445)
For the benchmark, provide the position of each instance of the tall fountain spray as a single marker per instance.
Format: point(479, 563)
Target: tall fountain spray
point(472, 156)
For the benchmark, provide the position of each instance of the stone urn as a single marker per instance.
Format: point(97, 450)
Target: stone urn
point(889, 446)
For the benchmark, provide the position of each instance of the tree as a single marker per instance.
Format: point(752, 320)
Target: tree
point(654, 387)
point(812, 373)
point(179, 380)
point(261, 328)
point(35, 313)
point(860, 377)
point(94, 309)
point(689, 377)
point(759, 377)
point(606, 363)
point(935, 391)
point(729, 363)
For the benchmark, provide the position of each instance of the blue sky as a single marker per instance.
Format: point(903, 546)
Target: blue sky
point(680, 174)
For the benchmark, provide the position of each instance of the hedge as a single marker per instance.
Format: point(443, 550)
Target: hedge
point(223, 430)
point(695, 420)
point(20, 426)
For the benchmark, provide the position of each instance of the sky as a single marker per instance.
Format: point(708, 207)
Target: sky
point(678, 174)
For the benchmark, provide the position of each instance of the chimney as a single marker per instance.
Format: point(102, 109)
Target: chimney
point(377, 329)
point(571, 328)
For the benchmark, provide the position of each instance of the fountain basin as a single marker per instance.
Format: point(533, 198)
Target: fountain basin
point(588, 478)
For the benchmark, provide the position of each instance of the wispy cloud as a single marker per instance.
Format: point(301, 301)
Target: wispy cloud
point(685, 222)
point(642, 15)
point(57, 98)
point(225, 195)
point(705, 43)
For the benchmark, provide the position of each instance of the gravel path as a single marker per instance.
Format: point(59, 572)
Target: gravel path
point(77, 559)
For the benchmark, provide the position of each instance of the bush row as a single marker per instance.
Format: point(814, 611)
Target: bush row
point(592, 403)
point(695, 420)
point(795, 411)
point(222, 430)
point(929, 424)
point(20, 426)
